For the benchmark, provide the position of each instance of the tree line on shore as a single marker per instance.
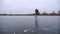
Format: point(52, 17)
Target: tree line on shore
point(44, 13)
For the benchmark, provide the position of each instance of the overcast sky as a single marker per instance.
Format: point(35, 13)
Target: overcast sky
point(28, 6)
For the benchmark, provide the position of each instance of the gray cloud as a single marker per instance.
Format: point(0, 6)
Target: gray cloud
point(28, 6)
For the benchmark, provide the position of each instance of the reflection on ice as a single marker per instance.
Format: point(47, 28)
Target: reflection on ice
point(28, 31)
point(14, 33)
point(25, 30)
point(45, 29)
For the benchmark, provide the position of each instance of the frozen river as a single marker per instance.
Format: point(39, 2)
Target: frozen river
point(20, 24)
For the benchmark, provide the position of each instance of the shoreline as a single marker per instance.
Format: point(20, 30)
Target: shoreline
point(29, 15)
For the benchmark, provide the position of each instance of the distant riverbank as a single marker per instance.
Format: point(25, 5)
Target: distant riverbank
point(29, 14)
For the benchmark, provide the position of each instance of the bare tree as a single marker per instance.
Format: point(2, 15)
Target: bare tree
point(37, 11)
point(59, 12)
